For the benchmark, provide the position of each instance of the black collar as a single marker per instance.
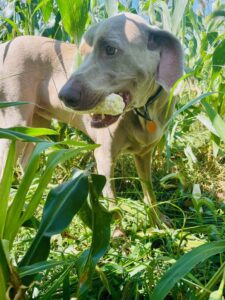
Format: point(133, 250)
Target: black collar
point(151, 99)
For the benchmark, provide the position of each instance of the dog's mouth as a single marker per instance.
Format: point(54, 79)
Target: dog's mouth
point(104, 120)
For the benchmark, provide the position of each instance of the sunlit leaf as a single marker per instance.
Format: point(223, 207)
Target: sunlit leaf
point(74, 15)
point(217, 122)
point(5, 185)
point(218, 58)
point(4, 272)
point(184, 265)
point(178, 15)
point(62, 203)
point(101, 220)
point(111, 7)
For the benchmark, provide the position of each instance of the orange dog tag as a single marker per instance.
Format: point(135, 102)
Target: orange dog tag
point(151, 126)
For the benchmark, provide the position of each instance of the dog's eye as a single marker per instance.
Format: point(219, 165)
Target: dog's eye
point(110, 50)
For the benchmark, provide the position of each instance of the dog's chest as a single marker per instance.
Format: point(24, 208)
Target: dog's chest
point(140, 142)
point(135, 136)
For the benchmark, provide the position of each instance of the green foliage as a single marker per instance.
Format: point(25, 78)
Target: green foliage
point(74, 14)
point(37, 241)
point(4, 271)
point(101, 220)
point(184, 265)
point(61, 205)
point(5, 186)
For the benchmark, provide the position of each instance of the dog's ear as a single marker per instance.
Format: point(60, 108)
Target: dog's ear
point(170, 67)
point(86, 44)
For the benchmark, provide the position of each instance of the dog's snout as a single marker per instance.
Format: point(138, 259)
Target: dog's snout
point(71, 94)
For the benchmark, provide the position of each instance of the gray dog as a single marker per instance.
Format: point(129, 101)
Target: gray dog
point(121, 55)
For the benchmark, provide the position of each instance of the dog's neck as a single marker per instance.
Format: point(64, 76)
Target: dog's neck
point(144, 111)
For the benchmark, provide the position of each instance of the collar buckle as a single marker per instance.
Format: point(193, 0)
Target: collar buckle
point(151, 100)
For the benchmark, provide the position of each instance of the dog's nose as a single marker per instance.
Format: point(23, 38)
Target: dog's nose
point(71, 94)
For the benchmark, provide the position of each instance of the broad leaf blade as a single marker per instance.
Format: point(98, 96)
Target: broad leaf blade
point(54, 159)
point(4, 272)
point(14, 135)
point(16, 208)
point(74, 15)
point(62, 204)
point(178, 15)
point(5, 185)
point(34, 131)
point(184, 265)
point(217, 122)
point(101, 220)
point(218, 58)
point(189, 104)
point(111, 7)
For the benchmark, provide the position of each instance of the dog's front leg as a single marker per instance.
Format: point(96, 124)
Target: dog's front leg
point(105, 166)
point(144, 168)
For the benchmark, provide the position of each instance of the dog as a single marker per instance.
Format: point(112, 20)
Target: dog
point(122, 55)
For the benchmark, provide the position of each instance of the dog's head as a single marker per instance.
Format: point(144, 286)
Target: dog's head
point(122, 55)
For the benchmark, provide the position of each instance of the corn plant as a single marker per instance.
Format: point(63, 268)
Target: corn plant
point(187, 261)
point(62, 203)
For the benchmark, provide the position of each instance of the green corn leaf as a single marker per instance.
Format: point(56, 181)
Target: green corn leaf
point(207, 123)
point(101, 220)
point(162, 7)
point(184, 265)
point(62, 203)
point(5, 185)
point(111, 7)
point(178, 15)
point(34, 131)
point(217, 122)
point(54, 159)
point(9, 104)
point(46, 8)
point(218, 59)
point(74, 14)
point(27, 134)
point(66, 287)
point(16, 208)
point(4, 271)
point(16, 216)
point(12, 23)
point(189, 104)
point(13, 135)
point(42, 266)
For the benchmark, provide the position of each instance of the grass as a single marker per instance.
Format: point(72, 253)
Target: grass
point(188, 174)
point(136, 261)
